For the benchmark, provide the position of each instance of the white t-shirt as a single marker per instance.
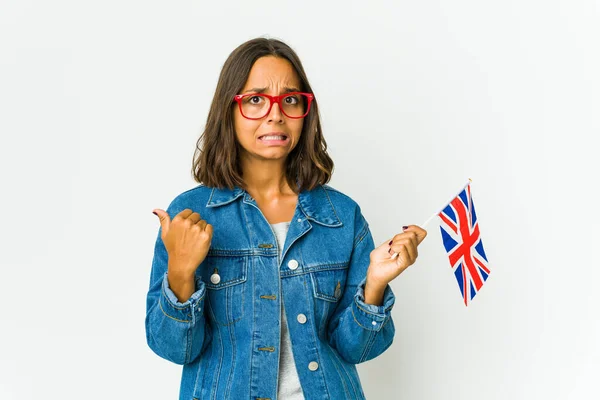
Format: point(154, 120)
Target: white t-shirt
point(288, 386)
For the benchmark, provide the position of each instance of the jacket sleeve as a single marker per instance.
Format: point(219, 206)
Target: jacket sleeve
point(360, 331)
point(176, 331)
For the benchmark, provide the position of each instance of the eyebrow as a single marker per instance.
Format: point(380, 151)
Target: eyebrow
point(261, 90)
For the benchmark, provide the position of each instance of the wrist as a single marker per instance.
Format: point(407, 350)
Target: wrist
point(179, 273)
point(374, 294)
point(375, 283)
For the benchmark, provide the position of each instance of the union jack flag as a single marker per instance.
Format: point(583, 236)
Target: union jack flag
point(460, 234)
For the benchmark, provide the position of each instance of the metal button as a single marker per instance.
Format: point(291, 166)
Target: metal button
point(299, 220)
point(313, 365)
point(374, 323)
point(215, 278)
point(293, 264)
point(301, 318)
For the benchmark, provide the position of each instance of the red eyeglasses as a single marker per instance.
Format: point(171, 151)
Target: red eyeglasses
point(258, 105)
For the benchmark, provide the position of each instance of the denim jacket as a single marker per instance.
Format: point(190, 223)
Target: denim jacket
point(227, 334)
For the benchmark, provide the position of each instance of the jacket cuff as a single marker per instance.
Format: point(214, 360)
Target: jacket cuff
point(187, 311)
point(371, 316)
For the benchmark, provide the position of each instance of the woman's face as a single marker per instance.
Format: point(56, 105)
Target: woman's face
point(273, 76)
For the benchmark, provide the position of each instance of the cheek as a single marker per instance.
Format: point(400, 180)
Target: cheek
point(297, 127)
point(237, 122)
point(243, 127)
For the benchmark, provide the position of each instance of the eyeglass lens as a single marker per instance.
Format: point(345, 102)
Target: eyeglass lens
point(257, 106)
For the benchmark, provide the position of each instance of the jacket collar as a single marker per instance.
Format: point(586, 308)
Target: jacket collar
point(315, 204)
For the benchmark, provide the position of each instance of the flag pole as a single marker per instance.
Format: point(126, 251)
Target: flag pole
point(440, 210)
point(445, 204)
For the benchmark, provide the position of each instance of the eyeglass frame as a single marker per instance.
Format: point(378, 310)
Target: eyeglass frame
point(274, 99)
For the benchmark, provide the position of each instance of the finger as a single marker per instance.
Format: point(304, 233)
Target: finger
point(382, 250)
point(411, 250)
point(391, 243)
point(407, 245)
point(202, 224)
point(164, 218)
point(420, 232)
point(412, 236)
point(400, 252)
point(184, 214)
point(386, 241)
point(194, 218)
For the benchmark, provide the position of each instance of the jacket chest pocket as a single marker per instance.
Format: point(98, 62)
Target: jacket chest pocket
point(329, 280)
point(225, 279)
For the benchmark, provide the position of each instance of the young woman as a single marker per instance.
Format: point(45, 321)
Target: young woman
point(265, 281)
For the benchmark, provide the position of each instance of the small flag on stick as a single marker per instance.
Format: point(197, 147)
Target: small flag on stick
point(462, 241)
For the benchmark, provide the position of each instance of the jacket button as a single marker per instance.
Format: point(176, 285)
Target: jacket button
point(293, 264)
point(313, 365)
point(301, 318)
point(215, 278)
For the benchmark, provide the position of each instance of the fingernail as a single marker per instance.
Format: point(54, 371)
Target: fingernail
point(154, 213)
point(391, 241)
point(405, 227)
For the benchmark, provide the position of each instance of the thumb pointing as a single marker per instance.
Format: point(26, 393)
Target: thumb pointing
point(165, 220)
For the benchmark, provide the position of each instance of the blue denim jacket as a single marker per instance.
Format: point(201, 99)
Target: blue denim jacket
point(227, 334)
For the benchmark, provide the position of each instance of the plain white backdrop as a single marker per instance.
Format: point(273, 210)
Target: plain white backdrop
point(101, 104)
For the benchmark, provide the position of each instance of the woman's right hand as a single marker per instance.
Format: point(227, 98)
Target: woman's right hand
point(187, 239)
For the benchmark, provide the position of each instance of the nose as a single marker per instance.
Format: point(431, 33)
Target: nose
point(275, 114)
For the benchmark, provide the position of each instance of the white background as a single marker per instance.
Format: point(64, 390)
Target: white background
point(101, 104)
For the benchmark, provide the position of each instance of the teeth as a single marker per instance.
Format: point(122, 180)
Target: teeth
point(273, 137)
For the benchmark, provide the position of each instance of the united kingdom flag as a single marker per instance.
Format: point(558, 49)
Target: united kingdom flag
point(460, 234)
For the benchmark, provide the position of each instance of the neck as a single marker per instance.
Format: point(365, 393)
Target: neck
point(266, 179)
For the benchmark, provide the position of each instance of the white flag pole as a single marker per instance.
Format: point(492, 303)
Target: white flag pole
point(445, 204)
point(440, 210)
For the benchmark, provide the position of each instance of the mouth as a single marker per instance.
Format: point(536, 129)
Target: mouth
point(274, 138)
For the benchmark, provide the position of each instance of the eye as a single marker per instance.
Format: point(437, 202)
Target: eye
point(293, 100)
point(255, 99)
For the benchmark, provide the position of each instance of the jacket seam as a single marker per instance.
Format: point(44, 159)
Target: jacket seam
point(361, 234)
point(371, 312)
point(188, 351)
point(220, 364)
point(331, 203)
point(346, 391)
point(233, 351)
point(345, 372)
point(368, 346)
point(167, 315)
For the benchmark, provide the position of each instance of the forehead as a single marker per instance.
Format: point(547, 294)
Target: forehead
point(270, 71)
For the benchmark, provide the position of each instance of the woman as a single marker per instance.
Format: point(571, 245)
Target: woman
point(265, 282)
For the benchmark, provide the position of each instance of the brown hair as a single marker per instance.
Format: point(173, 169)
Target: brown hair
point(216, 158)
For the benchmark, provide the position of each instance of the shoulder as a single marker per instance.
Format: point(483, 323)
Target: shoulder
point(194, 199)
point(340, 199)
point(344, 204)
point(349, 211)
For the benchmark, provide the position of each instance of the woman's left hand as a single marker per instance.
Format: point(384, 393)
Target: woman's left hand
point(383, 269)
